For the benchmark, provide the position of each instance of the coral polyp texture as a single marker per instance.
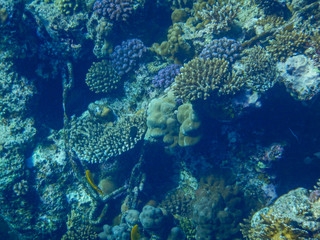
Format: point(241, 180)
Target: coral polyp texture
point(201, 78)
point(166, 76)
point(117, 10)
point(97, 141)
point(101, 77)
point(292, 216)
point(126, 56)
point(228, 49)
point(260, 70)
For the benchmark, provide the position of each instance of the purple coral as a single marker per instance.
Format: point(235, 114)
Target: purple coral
point(225, 48)
point(126, 56)
point(118, 10)
point(166, 76)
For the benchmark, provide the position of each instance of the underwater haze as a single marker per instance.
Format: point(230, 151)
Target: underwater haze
point(159, 119)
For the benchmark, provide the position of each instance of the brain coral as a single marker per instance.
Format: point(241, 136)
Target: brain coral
point(200, 78)
point(102, 77)
point(97, 141)
point(118, 10)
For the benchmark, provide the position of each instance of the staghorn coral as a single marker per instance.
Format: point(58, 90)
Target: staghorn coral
point(217, 16)
point(117, 10)
point(259, 69)
point(97, 141)
point(200, 78)
point(225, 48)
point(286, 43)
point(101, 77)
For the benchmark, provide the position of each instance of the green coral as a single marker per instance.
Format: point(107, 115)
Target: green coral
point(200, 78)
point(101, 77)
point(286, 43)
point(260, 69)
point(69, 7)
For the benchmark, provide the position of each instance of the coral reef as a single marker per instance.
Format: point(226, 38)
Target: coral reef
point(287, 43)
point(175, 125)
point(301, 77)
point(217, 16)
point(201, 78)
point(177, 203)
point(21, 188)
point(292, 216)
point(228, 49)
point(120, 232)
point(117, 10)
point(259, 70)
point(101, 77)
point(175, 46)
point(189, 131)
point(69, 7)
point(166, 76)
point(96, 142)
point(81, 233)
point(126, 56)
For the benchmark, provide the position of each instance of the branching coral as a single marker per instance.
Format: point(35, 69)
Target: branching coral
point(218, 16)
point(200, 78)
point(260, 69)
point(102, 77)
point(286, 43)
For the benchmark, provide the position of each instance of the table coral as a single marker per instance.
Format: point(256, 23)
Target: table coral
point(95, 141)
point(101, 77)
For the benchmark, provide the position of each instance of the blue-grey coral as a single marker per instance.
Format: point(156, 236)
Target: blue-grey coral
point(126, 56)
point(117, 10)
point(228, 49)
